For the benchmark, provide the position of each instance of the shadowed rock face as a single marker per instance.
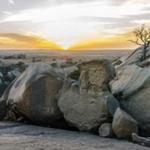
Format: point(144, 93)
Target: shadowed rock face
point(84, 104)
point(8, 72)
point(34, 94)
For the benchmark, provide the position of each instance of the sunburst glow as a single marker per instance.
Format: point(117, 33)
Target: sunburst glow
point(73, 24)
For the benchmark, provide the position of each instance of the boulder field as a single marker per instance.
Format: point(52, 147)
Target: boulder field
point(97, 99)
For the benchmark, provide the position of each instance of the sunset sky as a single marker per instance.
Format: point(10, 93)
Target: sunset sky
point(71, 24)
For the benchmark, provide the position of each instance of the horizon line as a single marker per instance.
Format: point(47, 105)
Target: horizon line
point(48, 49)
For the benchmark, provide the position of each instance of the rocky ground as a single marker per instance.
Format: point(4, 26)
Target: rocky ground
point(18, 136)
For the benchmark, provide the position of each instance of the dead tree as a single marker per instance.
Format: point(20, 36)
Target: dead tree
point(142, 38)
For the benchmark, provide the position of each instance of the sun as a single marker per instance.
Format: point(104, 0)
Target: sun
point(65, 48)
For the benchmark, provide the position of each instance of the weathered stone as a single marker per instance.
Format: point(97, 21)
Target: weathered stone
point(83, 110)
point(105, 130)
point(84, 105)
point(34, 94)
point(132, 88)
point(95, 75)
point(131, 80)
point(123, 124)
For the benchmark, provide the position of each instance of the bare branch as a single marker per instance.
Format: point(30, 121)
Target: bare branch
point(142, 38)
point(135, 42)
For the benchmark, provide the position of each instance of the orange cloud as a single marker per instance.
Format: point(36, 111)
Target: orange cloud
point(116, 42)
point(15, 40)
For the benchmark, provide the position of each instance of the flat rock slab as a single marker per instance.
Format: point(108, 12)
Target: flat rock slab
point(27, 137)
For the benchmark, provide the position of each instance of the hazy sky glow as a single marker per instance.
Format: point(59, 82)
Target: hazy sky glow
point(70, 23)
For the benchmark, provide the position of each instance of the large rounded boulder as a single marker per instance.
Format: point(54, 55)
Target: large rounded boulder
point(34, 94)
point(82, 110)
point(84, 102)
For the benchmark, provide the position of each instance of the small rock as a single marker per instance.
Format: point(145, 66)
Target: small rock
point(105, 130)
point(123, 124)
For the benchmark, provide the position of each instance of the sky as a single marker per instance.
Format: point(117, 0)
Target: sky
point(71, 24)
